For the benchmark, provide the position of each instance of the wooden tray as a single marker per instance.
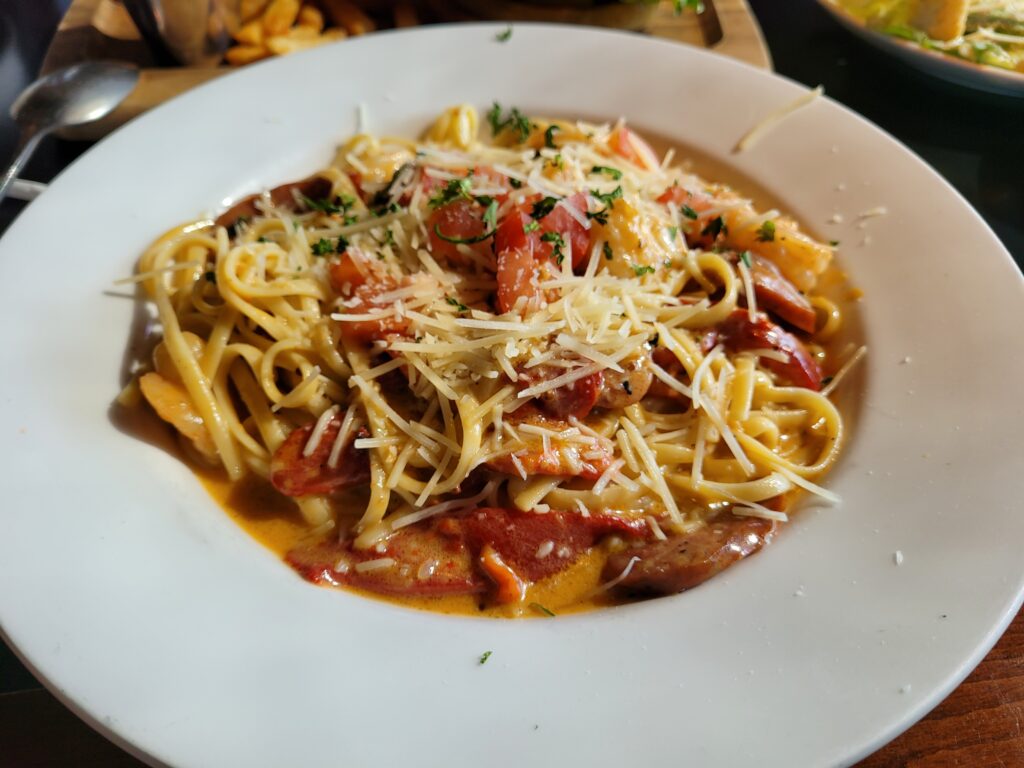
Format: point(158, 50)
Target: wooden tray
point(102, 29)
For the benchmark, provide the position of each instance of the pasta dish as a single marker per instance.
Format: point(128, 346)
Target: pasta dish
point(524, 366)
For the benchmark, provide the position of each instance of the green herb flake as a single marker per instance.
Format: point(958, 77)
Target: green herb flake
point(549, 136)
point(745, 258)
point(503, 37)
point(486, 654)
point(341, 245)
point(643, 269)
point(462, 240)
point(680, 5)
point(559, 243)
point(515, 183)
point(614, 173)
point(834, 243)
point(531, 226)
point(543, 207)
point(455, 189)
point(491, 214)
point(541, 609)
point(766, 232)
point(601, 217)
point(607, 197)
point(688, 212)
point(322, 247)
point(262, 239)
point(515, 120)
point(673, 233)
point(607, 250)
point(457, 304)
point(715, 227)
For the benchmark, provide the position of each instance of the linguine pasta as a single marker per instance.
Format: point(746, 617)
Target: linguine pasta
point(477, 362)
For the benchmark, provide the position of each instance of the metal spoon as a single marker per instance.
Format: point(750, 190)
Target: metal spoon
point(71, 96)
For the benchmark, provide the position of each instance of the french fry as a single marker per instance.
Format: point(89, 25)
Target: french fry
point(279, 16)
point(310, 16)
point(347, 15)
point(405, 15)
point(296, 39)
point(245, 54)
point(250, 9)
point(251, 33)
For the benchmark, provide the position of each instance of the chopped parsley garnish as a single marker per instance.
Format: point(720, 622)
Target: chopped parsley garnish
point(503, 37)
point(515, 183)
point(615, 173)
point(515, 120)
point(351, 219)
point(491, 214)
point(486, 654)
point(715, 227)
point(543, 207)
point(455, 189)
point(262, 239)
point(643, 269)
point(766, 232)
point(541, 609)
point(389, 237)
point(559, 244)
point(681, 5)
point(326, 206)
point(549, 136)
point(688, 212)
point(462, 240)
point(673, 233)
point(322, 247)
point(601, 217)
point(607, 197)
point(745, 258)
point(530, 226)
point(341, 245)
point(833, 243)
point(558, 162)
point(607, 250)
point(457, 304)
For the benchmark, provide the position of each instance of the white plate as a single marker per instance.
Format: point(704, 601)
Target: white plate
point(935, 63)
point(164, 625)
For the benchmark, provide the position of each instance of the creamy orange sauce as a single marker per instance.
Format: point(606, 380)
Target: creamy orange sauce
point(275, 522)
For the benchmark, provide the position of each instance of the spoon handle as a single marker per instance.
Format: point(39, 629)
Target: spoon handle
point(29, 141)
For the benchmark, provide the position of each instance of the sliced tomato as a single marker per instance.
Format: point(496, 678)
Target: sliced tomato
point(628, 144)
point(738, 332)
point(294, 474)
point(779, 296)
point(575, 399)
point(517, 273)
point(345, 275)
point(573, 233)
point(459, 220)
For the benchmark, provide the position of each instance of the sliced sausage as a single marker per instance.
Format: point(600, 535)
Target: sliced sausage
point(682, 562)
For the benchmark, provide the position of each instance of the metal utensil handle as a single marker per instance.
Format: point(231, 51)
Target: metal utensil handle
point(29, 141)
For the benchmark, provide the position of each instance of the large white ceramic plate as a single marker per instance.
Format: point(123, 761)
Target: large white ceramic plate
point(154, 617)
point(935, 63)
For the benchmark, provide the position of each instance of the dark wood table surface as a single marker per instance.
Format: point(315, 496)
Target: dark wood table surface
point(975, 141)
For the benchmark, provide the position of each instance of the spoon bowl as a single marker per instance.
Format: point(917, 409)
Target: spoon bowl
point(66, 98)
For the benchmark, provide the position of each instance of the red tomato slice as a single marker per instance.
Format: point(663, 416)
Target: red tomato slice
point(562, 458)
point(296, 475)
point(628, 144)
point(345, 275)
point(738, 333)
point(516, 267)
point(459, 220)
